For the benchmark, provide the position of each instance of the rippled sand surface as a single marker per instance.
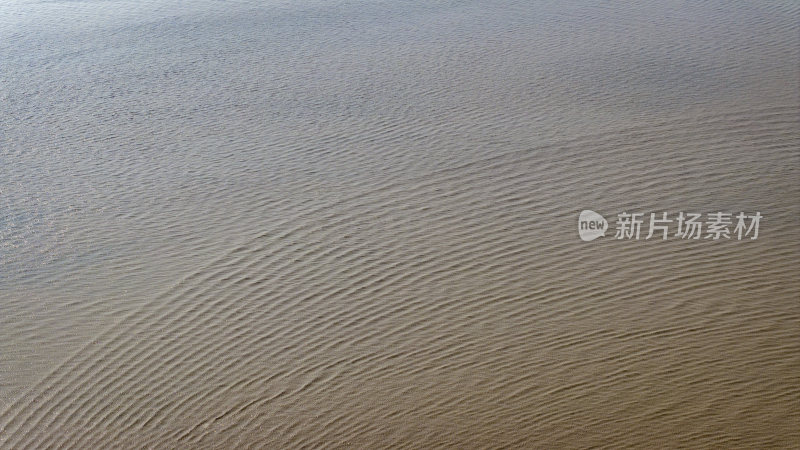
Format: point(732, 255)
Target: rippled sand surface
point(314, 224)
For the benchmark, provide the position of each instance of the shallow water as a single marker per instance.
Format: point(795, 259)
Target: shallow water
point(300, 223)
